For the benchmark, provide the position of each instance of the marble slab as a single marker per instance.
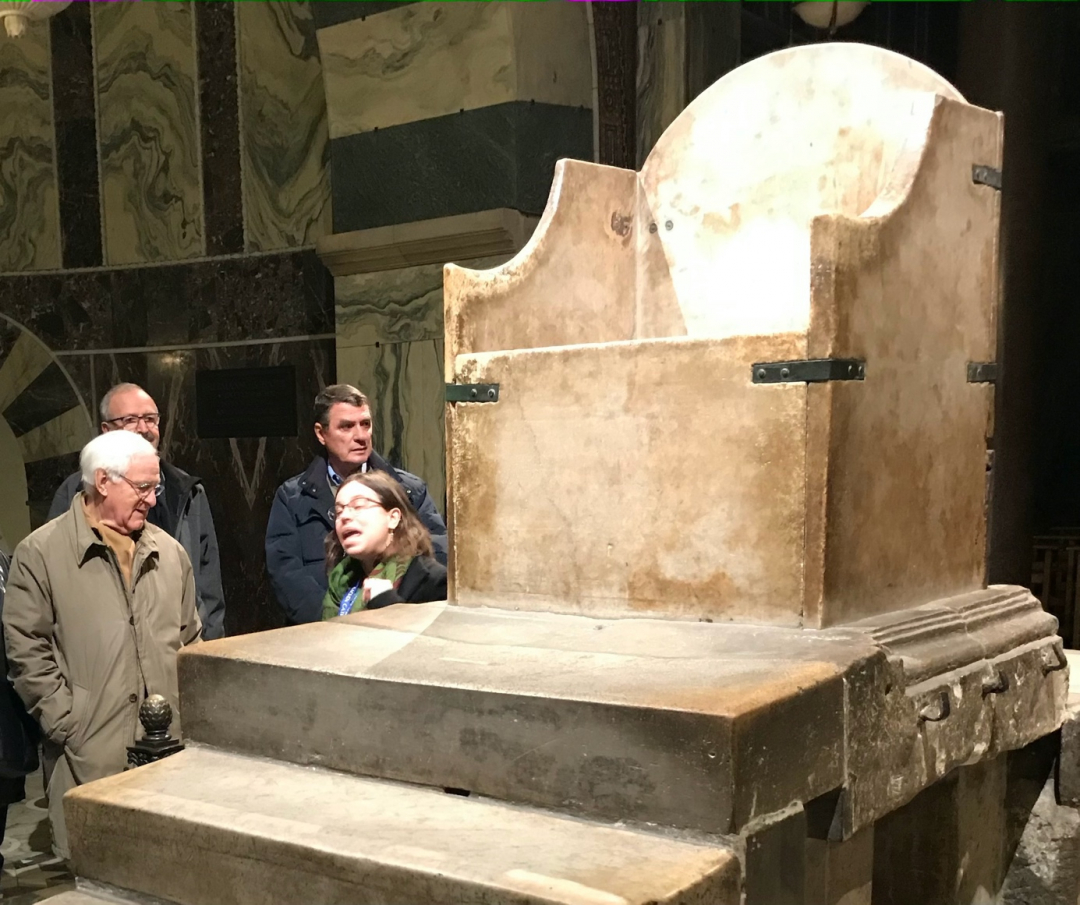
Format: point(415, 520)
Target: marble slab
point(404, 381)
point(496, 156)
point(66, 433)
point(151, 181)
point(216, 300)
point(401, 305)
point(43, 476)
point(432, 59)
point(286, 182)
point(46, 397)
point(393, 306)
point(22, 359)
point(71, 34)
point(69, 310)
point(219, 122)
point(29, 215)
point(661, 73)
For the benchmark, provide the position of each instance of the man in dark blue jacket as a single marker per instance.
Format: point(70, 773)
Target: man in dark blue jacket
point(303, 510)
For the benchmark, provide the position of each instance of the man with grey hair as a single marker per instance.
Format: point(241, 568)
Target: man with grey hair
point(181, 506)
point(98, 603)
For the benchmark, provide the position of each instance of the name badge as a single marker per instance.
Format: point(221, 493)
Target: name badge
point(348, 600)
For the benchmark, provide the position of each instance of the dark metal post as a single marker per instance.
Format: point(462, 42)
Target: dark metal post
point(155, 714)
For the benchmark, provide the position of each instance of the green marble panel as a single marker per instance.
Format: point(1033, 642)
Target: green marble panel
point(284, 143)
point(29, 215)
point(423, 60)
point(404, 382)
point(151, 181)
point(393, 305)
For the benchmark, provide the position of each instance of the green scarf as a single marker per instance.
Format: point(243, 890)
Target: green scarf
point(349, 574)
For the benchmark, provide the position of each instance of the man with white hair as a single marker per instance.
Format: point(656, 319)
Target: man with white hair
point(180, 508)
point(98, 603)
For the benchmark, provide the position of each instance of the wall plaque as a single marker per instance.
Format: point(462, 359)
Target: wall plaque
point(246, 402)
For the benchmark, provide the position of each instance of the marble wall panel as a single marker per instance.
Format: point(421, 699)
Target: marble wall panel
point(22, 359)
point(112, 368)
point(76, 135)
point(262, 296)
point(251, 297)
point(219, 119)
point(390, 306)
point(553, 56)
point(79, 371)
point(152, 195)
point(498, 156)
point(420, 61)
point(29, 212)
point(404, 381)
point(220, 299)
point(661, 73)
point(43, 477)
point(401, 305)
point(284, 151)
point(432, 59)
point(70, 310)
point(43, 422)
point(42, 400)
point(67, 433)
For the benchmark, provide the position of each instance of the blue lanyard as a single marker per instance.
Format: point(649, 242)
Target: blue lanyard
point(348, 600)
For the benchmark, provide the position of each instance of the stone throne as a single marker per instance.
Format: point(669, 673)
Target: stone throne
point(716, 469)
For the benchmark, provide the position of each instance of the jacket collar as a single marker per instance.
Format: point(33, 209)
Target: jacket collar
point(86, 539)
point(314, 479)
point(315, 486)
point(378, 463)
point(178, 478)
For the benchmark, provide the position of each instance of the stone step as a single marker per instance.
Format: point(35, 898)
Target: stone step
point(205, 827)
point(682, 724)
point(102, 896)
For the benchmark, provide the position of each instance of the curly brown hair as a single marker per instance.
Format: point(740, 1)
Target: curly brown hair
point(410, 537)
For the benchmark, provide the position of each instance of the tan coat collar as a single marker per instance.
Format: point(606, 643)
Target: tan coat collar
point(86, 538)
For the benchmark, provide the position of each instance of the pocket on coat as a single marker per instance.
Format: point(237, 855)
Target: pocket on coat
point(313, 542)
point(80, 698)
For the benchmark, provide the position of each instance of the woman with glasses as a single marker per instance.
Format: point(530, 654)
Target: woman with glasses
point(379, 552)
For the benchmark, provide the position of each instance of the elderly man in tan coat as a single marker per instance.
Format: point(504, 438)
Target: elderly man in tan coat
point(98, 604)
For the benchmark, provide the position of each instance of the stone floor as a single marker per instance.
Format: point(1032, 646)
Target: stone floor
point(31, 871)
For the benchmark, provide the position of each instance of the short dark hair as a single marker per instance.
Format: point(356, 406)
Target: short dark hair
point(332, 395)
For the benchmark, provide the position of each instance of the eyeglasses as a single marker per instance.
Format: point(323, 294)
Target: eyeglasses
point(354, 507)
point(143, 490)
point(127, 422)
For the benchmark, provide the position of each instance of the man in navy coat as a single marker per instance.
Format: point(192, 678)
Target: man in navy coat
point(303, 511)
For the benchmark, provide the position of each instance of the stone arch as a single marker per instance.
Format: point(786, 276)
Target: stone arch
point(44, 422)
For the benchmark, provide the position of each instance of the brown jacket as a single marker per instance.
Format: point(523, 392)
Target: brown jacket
point(84, 651)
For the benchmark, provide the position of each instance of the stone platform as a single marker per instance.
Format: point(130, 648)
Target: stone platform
point(587, 760)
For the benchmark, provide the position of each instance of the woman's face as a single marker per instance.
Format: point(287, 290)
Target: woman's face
point(363, 526)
